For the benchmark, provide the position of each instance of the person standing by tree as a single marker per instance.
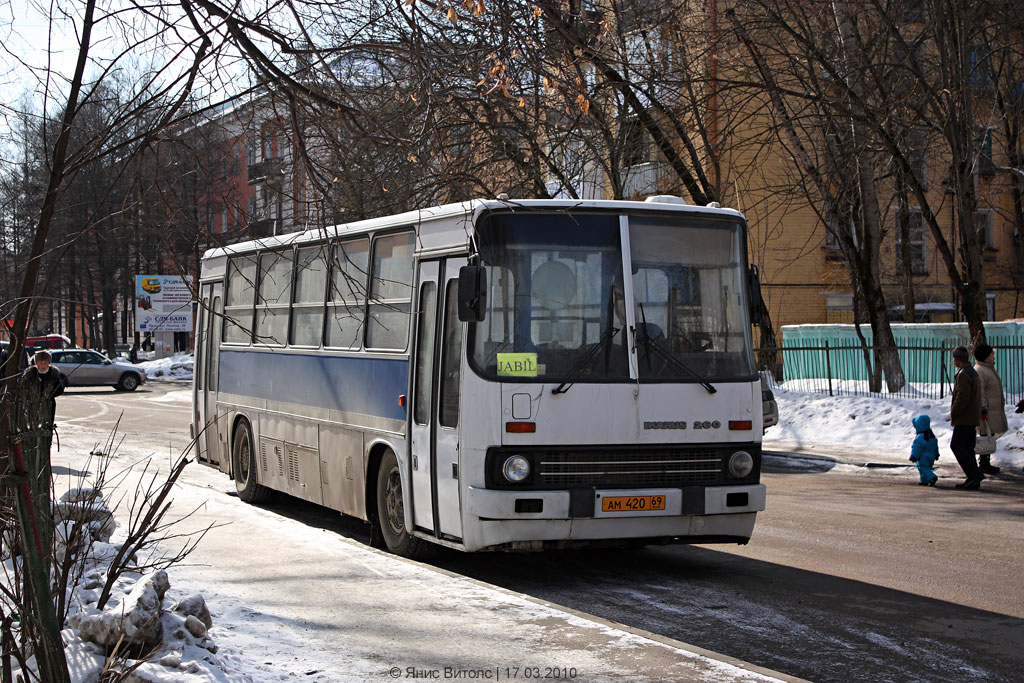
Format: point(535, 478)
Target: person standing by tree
point(42, 380)
point(993, 405)
point(964, 415)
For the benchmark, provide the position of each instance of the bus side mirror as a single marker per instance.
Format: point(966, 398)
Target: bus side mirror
point(756, 300)
point(472, 293)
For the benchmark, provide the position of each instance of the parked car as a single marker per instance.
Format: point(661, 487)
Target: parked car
point(768, 405)
point(82, 367)
point(49, 341)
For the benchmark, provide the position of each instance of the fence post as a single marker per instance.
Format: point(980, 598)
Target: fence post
point(942, 370)
point(828, 368)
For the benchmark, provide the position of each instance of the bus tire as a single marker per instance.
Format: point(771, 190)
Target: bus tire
point(391, 511)
point(243, 464)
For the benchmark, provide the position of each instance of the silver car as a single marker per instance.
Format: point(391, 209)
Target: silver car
point(82, 367)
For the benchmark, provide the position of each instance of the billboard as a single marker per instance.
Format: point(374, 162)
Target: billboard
point(163, 303)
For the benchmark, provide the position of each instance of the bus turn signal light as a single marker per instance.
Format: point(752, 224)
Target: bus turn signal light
point(401, 400)
point(520, 427)
point(742, 425)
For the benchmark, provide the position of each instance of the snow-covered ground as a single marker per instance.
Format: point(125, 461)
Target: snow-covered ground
point(178, 366)
point(870, 429)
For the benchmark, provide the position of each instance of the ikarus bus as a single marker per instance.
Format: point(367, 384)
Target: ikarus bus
point(492, 375)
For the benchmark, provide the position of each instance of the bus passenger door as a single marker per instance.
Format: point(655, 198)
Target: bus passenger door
point(446, 429)
point(422, 423)
point(436, 371)
point(199, 374)
point(206, 403)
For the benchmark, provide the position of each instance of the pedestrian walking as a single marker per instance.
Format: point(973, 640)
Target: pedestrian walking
point(925, 450)
point(43, 380)
point(993, 404)
point(964, 415)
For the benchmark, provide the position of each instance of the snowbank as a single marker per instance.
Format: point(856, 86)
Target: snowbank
point(877, 428)
point(178, 366)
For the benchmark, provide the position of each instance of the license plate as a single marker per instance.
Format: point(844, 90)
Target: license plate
point(632, 503)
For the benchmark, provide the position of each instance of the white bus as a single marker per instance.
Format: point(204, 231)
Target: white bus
point(492, 375)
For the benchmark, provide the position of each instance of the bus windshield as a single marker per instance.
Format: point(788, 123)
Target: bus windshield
point(556, 304)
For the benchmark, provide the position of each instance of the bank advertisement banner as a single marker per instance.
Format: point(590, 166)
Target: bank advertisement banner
point(163, 303)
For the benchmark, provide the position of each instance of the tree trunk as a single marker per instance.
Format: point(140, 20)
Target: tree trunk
point(871, 233)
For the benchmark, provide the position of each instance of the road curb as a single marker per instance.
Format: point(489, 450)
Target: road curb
point(829, 459)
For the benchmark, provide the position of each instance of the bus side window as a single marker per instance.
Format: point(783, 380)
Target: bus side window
point(390, 292)
point(310, 285)
point(346, 297)
point(238, 312)
point(275, 287)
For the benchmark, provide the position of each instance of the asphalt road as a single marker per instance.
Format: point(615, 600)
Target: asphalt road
point(851, 575)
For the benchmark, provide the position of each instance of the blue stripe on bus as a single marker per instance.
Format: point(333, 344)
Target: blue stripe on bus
point(369, 386)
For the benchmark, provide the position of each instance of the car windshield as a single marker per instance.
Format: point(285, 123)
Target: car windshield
point(556, 305)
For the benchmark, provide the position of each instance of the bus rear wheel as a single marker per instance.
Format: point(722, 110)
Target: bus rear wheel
point(243, 464)
point(391, 511)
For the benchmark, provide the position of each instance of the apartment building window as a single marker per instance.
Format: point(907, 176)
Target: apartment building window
point(919, 156)
point(983, 149)
point(831, 239)
point(986, 233)
point(461, 140)
point(224, 220)
point(634, 143)
point(981, 67)
point(918, 244)
point(834, 227)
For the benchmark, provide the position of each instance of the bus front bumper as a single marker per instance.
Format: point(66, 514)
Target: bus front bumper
point(585, 503)
point(535, 520)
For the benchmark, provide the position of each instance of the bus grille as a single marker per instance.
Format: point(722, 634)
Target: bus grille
point(629, 468)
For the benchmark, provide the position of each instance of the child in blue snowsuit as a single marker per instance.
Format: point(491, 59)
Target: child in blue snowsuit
point(925, 450)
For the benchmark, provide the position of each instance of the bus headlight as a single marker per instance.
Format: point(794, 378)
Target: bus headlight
point(516, 468)
point(741, 464)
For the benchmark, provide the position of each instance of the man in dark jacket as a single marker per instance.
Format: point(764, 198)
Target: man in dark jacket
point(43, 380)
point(965, 414)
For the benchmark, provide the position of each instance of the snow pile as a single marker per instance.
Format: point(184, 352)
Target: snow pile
point(876, 428)
point(178, 366)
point(135, 619)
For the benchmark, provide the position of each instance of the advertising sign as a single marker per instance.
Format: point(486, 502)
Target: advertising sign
point(163, 303)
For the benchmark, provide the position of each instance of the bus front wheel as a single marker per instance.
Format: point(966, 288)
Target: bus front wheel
point(243, 464)
point(391, 511)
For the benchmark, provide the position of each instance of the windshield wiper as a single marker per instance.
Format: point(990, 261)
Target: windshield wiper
point(584, 362)
point(666, 355)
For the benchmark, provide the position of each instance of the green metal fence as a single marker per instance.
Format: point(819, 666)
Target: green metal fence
point(841, 370)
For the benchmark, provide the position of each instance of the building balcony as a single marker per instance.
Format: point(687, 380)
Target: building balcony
point(266, 171)
point(265, 227)
point(644, 179)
